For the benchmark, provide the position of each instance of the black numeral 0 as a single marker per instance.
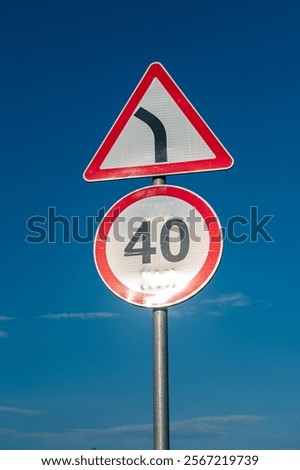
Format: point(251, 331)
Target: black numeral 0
point(183, 237)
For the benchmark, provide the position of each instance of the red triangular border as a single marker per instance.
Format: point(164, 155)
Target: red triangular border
point(222, 161)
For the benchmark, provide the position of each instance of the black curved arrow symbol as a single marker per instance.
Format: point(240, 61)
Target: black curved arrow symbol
point(159, 132)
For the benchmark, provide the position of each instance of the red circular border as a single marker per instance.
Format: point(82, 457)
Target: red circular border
point(200, 279)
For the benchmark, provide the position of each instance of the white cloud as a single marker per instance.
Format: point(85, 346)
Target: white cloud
point(19, 411)
point(83, 438)
point(215, 306)
point(134, 433)
point(182, 311)
point(80, 316)
point(209, 425)
point(236, 299)
point(214, 313)
point(4, 334)
point(232, 418)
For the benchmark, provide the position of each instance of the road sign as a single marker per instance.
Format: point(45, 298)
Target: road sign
point(158, 246)
point(158, 132)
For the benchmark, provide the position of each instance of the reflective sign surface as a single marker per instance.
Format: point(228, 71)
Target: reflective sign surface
point(158, 246)
point(158, 132)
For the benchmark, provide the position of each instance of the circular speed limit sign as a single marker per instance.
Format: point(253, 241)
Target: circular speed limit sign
point(158, 246)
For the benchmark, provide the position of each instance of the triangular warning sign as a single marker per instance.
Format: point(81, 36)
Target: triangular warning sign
point(158, 132)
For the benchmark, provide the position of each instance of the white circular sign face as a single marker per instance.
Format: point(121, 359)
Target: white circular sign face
point(158, 246)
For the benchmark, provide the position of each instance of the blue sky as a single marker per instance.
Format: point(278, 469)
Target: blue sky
point(76, 361)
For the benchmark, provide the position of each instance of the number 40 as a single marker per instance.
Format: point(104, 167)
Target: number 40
point(146, 250)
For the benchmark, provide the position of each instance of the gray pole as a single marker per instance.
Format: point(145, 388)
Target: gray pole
point(160, 383)
point(159, 180)
point(161, 439)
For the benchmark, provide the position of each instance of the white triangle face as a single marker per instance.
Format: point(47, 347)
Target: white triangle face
point(135, 145)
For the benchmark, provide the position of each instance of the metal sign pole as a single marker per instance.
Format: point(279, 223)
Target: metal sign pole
point(189, 127)
point(161, 439)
